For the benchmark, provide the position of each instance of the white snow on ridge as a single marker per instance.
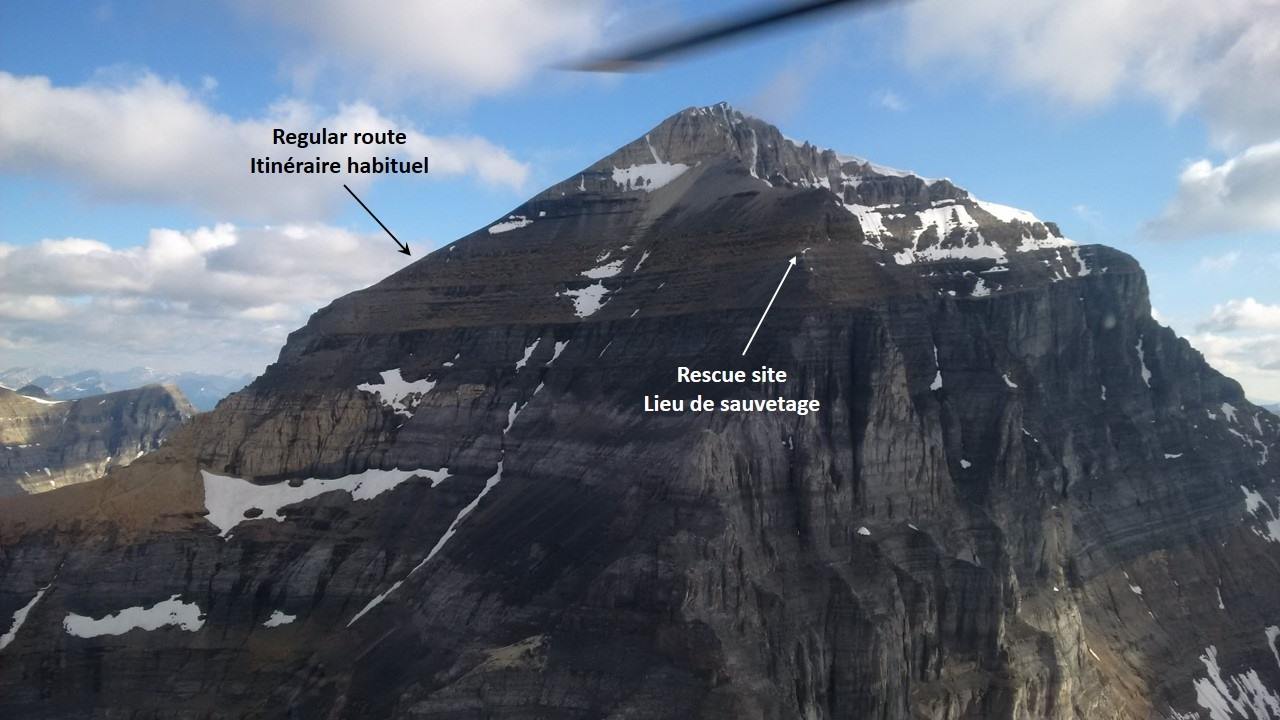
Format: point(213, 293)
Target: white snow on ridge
point(588, 300)
point(649, 176)
point(1007, 214)
point(513, 222)
point(604, 271)
point(20, 617)
point(1031, 244)
point(185, 616)
point(397, 393)
point(228, 498)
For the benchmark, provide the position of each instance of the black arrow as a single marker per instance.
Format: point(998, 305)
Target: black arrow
point(403, 247)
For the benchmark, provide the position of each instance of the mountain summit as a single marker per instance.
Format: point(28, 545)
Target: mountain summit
point(1021, 496)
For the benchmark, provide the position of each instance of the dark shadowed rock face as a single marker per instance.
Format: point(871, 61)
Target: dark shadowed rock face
point(1022, 498)
point(46, 444)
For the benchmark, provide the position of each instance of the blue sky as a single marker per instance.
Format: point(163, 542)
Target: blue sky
point(1089, 131)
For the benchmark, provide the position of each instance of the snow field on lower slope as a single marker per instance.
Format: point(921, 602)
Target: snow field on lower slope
point(185, 616)
point(228, 498)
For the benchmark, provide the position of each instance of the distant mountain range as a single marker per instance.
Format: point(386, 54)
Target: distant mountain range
point(203, 390)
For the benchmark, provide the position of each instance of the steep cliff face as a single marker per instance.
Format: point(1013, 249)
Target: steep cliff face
point(1022, 497)
point(46, 444)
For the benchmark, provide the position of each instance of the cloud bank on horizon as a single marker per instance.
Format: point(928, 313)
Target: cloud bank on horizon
point(205, 300)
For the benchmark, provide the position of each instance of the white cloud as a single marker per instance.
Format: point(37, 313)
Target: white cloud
point(218, 298)
point(1219, 263)
point(1240, 195)
point(1251, 359)
point(437, 48)
point(1217, 58)
point(1241, 339)
point(155, 141)
point(890, 100)
point(1246, 314)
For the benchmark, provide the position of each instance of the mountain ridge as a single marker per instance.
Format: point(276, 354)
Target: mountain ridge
point(1023, 498)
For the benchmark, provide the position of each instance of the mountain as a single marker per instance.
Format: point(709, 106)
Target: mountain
point(46, 444)
point(203, 390)
point(1274, 409)
point(1019, 497)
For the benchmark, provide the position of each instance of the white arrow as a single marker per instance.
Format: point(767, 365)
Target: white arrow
point(790, 264)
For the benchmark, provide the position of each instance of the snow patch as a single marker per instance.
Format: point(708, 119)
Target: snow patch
point(1260, 509)
point(20, 617)
point(1142, 360)
point(649, 176)
point(604, 271)
point(228, 498)
point(1049, 242)
point(863, 531)
point(946, 220)
point(397, 393)
point(528, 352)
point(1243, 695)
point(513, 222)
point(1229, 411)
point(587, 301)
point(871, 222)
point(279, 618)
point(555, 352)
point(185, 616)
point(1009, 382)
point(489, 484)
point(937, 378)
point(965, 464)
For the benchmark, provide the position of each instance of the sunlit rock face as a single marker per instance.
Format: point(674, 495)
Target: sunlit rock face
point(47, 444)
point(1022, 497)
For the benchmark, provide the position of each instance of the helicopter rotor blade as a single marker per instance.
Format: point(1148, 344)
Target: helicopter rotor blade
point(708, 34)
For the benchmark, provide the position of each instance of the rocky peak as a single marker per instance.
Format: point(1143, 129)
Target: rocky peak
point(1022, 496)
